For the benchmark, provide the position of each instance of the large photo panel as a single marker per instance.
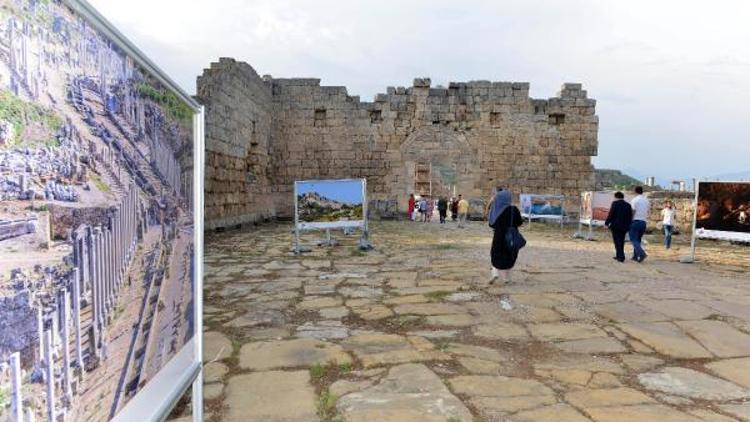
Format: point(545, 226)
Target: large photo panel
point(330, 203)
point(97, 225)
point(723, 210)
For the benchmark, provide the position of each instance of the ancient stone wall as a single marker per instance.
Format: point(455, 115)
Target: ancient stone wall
point(463, 139)
point(237, 131)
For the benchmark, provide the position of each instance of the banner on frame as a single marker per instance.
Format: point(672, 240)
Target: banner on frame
point(102, 219)
point(722, 211)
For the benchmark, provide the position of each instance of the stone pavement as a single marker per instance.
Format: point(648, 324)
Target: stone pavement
point(412, 331)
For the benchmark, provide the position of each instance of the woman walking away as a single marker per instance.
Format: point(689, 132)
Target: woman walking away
point(412, 204)
point(668, 220)
point(504, 218)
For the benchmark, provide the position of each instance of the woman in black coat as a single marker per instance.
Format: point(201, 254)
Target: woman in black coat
point(503, 214)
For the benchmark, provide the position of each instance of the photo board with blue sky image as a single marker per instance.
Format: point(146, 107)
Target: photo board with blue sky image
point(330, 201)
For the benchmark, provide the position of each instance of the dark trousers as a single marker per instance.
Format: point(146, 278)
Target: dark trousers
point(618, 237)
point(443, 214)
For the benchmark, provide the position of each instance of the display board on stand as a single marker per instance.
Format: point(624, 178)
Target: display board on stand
point(543, 207)
point(594, 209)
point(106, 316)
point(328, 205)
point(722, 212)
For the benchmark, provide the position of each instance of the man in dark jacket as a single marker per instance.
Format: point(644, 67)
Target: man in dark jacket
point(618, 221)
point(442, 209)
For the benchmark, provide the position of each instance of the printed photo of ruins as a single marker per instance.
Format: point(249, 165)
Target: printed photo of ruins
point(96, 220)
point(327, 202)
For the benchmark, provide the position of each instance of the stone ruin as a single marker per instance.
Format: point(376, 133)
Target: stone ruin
point(263, 133)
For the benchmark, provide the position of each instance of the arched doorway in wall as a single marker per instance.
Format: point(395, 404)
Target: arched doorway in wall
point(439, 161)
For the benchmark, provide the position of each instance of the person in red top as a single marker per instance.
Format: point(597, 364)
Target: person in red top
point(412, 203)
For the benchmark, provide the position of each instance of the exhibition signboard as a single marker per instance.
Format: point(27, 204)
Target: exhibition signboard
point(548, 207)
point(595, 206)
point(722, 211)
point(101, 222)
point(330, 204)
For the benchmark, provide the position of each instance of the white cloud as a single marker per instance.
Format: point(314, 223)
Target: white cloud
point(670, 76)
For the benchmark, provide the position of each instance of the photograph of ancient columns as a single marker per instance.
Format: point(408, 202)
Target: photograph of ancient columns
point(96, 218)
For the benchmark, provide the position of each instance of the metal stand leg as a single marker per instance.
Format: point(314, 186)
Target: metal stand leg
point(198, 397)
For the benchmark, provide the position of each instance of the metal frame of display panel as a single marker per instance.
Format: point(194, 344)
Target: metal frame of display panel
point(160, 394)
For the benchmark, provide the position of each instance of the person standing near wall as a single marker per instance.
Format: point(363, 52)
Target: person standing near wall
point(668, 219)
point(641, 209)
point(454, 209)
point(423, 208)
point(463, 210)
point(412, 204)
point(618, 221)
point(442, 209)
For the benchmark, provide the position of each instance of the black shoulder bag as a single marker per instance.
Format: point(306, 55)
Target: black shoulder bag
point(513, 238)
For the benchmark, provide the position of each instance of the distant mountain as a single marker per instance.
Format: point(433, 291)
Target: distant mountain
point(610, 179)
point(739, 176)
point(310, 198)
point(313, 206)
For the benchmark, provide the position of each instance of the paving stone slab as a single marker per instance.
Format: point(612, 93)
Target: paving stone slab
point(553, 413)
point(457, 320)
point(642, 413)
point(735, 370)
point(214, 372)
point(274, 396)
point(501, 331)
point(629, 312)
point(216, 346)
point(323, 330)
point(690, 383)
point(429, 309)
point(666, 338)
point(408, 393)
point(497, 408)
point(479, 352)
point(718, 337)
point(565, 331)
point(303, 352)
point(334, 313)
point(383, 349)
point(497, 386)
point(741, 411)
point(601, 345)
point(317, 302)
point(607, 397)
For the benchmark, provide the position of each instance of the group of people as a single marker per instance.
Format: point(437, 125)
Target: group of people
point(423, 208)
point(624, 219)
point(630, 219)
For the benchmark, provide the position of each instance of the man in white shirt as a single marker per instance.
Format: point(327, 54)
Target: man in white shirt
point(641, 208)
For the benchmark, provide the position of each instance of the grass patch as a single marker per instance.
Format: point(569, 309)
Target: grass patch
point(329, 371)
point(173, 105)
point(438, 296)
point(453, 419)
point(345, 367)
point(103, 187)
point(317, 371)
point(21, 114)
point(327, 407)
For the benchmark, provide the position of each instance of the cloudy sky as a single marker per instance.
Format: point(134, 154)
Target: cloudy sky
point(672, 77)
